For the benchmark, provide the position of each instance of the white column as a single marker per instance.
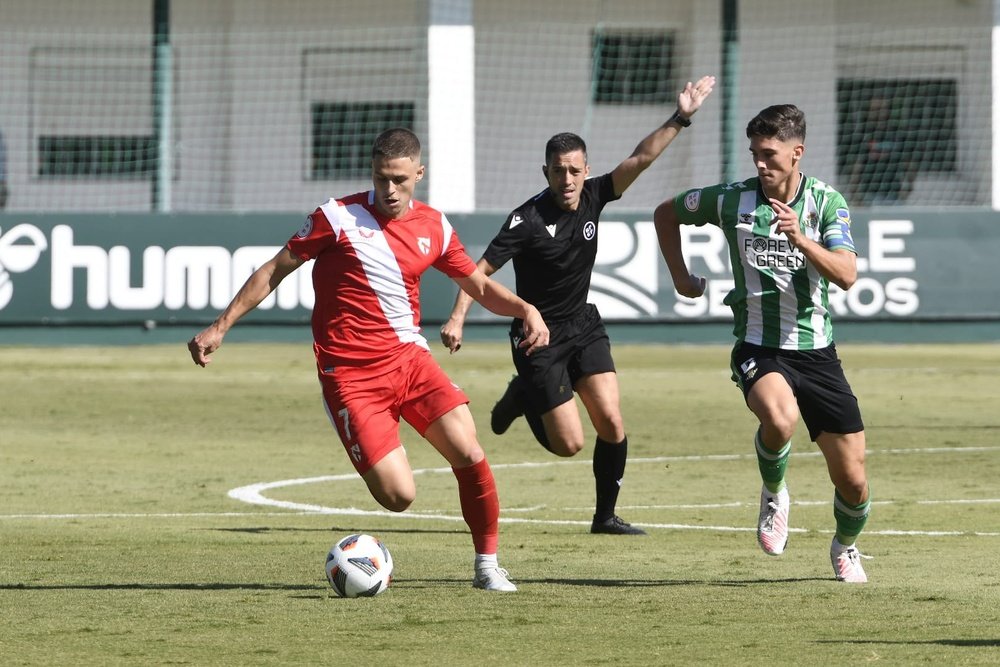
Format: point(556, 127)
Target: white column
point(165, 151)
point(995, 87)
point(451, 143)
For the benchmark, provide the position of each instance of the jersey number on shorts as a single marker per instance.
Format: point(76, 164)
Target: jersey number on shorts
point(345, 417)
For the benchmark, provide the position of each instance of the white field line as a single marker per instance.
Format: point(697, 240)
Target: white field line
point(253, 494)
point(146, 515)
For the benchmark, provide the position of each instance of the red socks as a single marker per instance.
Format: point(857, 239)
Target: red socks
point(477, 491)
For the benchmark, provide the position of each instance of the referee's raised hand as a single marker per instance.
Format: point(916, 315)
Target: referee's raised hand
point(689, 100)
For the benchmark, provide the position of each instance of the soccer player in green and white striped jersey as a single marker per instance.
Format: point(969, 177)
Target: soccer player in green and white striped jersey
point(789, 237)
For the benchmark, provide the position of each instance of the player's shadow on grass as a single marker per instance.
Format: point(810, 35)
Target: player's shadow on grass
point(940, 642)
point(941, 427)
point(162, 587)
point(615, 583)
point(639, 583)
point(402, 531)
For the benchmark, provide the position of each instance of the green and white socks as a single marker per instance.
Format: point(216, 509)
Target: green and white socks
point(772, 464)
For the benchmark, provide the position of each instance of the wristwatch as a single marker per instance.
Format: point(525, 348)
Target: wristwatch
point(679, 119)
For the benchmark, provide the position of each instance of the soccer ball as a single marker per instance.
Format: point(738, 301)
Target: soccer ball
point(359, 566)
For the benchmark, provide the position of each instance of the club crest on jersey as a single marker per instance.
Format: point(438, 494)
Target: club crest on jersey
point(812, 220)
point(589, 230)
point(692, 200)
point(306, 228)
point(424, 243)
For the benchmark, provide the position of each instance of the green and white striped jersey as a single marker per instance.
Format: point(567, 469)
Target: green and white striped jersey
point(779, 300)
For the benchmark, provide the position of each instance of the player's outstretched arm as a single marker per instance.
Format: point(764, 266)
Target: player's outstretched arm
point(262, 282)
point(452, 329)
point(498, 299)
point(668, 233)
point(688, 102)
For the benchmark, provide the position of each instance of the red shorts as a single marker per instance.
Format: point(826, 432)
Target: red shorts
point(365, 408)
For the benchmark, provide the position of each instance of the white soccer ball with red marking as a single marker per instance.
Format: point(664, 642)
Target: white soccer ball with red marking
point(359, 566)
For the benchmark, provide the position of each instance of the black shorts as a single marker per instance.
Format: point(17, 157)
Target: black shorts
point(816, 377)
point(577, 347)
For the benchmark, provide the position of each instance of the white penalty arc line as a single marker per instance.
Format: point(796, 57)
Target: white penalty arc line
point(253, 494)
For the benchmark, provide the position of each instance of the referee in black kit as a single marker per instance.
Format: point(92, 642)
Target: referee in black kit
point(552, 239)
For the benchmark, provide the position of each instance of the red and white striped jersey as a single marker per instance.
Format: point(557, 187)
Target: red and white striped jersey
point(367, 276)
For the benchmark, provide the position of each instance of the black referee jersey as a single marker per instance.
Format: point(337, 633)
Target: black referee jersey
point(553, 250)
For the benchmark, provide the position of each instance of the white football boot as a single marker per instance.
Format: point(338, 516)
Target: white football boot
point(772, 522)
point(493, 579)
point(846, 563)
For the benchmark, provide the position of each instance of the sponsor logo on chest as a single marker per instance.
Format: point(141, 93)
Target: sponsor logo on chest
point(768, 252)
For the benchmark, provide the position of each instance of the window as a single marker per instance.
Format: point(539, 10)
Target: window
point(106, 131)
point(633, 67)
point(343, 134)
point(93, 156)
point(354, 91)
point(921, 114)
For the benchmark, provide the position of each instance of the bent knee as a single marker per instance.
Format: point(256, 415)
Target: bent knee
point(611, 431)
point(463, 458)
point(853, 489)
point(565, 448)
point(395, 500)
point(781, 423)
point(396, 503)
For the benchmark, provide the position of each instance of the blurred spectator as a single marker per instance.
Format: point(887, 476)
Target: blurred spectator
point(882, 172)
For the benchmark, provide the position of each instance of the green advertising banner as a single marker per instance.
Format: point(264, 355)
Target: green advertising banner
point(109, 269)
point(911, 266)
point(87, 269)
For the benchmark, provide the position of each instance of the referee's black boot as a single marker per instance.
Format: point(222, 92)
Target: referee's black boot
point(614, 526)
point(508, 408)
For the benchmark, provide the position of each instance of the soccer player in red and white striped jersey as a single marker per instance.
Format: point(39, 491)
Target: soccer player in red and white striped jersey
point(374, 365)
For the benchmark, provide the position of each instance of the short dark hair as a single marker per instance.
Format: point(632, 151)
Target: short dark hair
point(782, 121)
point(562, 143)
point(395, 143)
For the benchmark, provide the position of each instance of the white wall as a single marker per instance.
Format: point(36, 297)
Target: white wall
point(950, 38)
point(789, 55)
point(26, 26)
point(242, 98)
point(367, 50)
point(537, 60)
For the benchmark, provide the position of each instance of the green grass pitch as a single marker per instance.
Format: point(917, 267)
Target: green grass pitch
point(120, 543)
